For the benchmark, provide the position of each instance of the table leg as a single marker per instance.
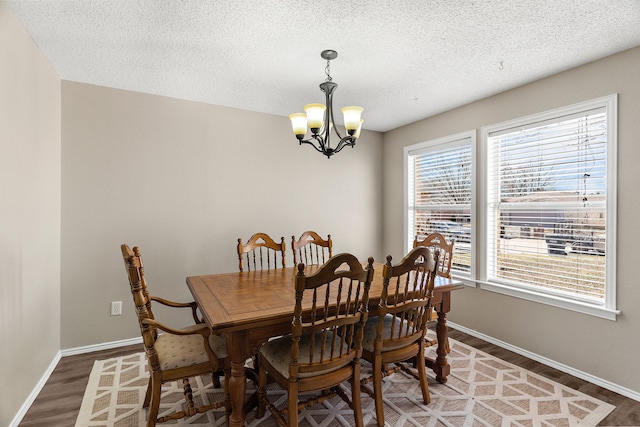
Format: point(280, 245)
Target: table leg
point(238, 379)
point(441, 366)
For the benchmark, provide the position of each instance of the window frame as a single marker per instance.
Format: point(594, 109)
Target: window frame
point(446, 141)
point(606, 309)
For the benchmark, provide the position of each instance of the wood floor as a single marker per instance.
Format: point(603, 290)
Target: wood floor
point(58, 403)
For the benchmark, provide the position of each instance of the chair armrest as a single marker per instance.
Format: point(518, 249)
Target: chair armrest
point(192, 305)
point(203, 330)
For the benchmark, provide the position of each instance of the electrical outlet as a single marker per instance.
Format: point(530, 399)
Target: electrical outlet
point(116, 308)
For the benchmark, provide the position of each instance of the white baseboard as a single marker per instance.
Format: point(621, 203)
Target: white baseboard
point(631, 394)
point(36, 390)
point(102, 346)
point(62, 353)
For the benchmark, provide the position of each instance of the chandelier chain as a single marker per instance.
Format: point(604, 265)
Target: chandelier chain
point(327, 71)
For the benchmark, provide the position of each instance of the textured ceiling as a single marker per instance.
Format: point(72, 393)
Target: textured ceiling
point(402, 60)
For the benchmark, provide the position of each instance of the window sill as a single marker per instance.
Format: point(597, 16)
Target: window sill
point(552, 300)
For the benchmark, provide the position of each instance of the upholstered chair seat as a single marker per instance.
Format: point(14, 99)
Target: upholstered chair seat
point(180, 351)
point(370, 333)
point(278, 353)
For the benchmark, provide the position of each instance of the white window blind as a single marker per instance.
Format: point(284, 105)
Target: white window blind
point(439, 180)
point(547, 190)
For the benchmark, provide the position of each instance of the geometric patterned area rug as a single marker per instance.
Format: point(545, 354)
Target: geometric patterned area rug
point(481, 391)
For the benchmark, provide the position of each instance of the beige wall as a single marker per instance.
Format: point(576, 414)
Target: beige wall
point(603, 348)
point(29, 215)
point(183, 181)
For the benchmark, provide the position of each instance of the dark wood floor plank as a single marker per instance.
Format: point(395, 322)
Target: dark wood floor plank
point(59, 401)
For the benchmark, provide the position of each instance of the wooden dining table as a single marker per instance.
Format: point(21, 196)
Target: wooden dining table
point(252, 306)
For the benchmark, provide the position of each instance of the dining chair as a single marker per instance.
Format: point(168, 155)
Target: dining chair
point(310, 248)
point(176, 354)
point(437, 240)
point(325, 344)
point(261, 252)
point(397, 334)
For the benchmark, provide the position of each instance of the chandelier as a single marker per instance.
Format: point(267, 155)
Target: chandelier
point(319, 118)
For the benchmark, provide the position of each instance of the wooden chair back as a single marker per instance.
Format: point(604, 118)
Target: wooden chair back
point(338, 296)
point(311, 249)
point(437, 240)
point(261, 252)
point(405, 299)
point(141, 300)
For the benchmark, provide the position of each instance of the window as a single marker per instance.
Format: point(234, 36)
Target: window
point(542, 226)
point(439, 198)
point(549, 195)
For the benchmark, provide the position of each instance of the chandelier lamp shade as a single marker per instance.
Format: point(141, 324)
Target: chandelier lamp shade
point(318, 118)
